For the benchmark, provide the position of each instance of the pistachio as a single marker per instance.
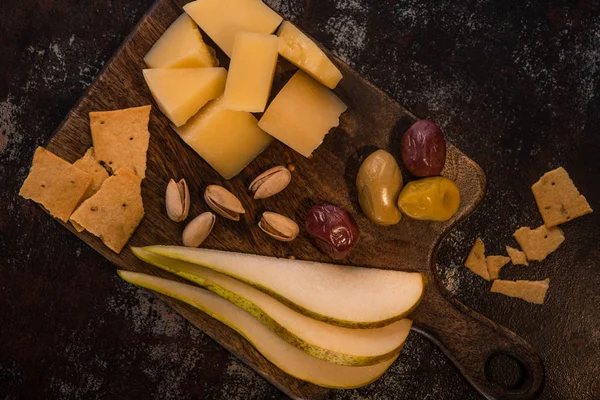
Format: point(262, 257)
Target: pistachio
point(270, 182)
point(177, 200)
point(223, 202)
point(278, 226)
point(198, 229)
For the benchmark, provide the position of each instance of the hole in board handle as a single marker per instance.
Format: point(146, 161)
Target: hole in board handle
point(506, 370)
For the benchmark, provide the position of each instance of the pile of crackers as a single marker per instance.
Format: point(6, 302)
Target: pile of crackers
point(558, 201)
point(101, 192)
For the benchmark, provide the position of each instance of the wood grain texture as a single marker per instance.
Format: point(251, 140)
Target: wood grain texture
point(373, 121)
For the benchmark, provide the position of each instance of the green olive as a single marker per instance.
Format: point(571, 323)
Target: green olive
point(379, 182)
point(434, 199)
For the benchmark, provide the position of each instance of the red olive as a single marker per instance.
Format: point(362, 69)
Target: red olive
point(333, 230)
point(424, 149)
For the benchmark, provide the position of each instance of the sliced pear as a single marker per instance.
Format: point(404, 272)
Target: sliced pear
point(331, 343)
point(288, 358)
point(347, 296)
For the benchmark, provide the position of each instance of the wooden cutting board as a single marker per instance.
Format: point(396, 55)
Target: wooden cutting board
point(373, 120)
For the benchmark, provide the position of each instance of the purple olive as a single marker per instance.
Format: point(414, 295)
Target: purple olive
point(333, 230)
point(424, 149)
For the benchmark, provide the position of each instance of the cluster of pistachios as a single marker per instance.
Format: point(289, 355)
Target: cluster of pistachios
point(224, 203)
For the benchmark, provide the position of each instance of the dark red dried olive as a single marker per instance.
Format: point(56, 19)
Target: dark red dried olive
point(424, 149)
point(333, 230)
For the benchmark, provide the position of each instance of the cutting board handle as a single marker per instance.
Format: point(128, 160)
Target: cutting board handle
point(472, 341)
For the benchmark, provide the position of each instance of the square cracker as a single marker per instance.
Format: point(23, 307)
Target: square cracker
point(495, 264)
point(115, 211)
point(55, 184)
point(476, 260)
point(531, 291)
point(558, 199)
point(121, 138)
point(517, 257)
point(538, 243)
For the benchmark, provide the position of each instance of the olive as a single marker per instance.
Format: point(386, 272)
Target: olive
point(424, 149)
point(378, 183)
point(435, 199)
point(334, 231)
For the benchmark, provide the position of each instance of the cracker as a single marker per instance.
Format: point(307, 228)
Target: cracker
point(89, 164)
point(558, 199)
point(538, 243)
point(517, 257)
point(121, 138)
point(495, 264)
point(531, 291)
point(115, 211)
point(77, 227)
point(55, 184)
point(476, 260)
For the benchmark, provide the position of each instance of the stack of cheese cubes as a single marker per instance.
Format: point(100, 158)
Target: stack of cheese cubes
point(211, 108)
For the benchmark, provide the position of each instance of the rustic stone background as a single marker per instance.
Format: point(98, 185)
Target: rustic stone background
point(513, 83)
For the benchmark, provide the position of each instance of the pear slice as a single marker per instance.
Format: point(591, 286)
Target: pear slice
point(331, 343)
point(288, 358)
point(341, 295)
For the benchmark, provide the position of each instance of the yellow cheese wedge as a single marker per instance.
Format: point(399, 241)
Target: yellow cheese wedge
point(251, 72)
point(181, 46)
point(180, 93)
point(227, 140)
point(302, 114)
point(223, 19)
point(298, 49)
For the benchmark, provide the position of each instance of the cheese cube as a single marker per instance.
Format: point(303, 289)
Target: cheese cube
point(181, 46)
point(298, 49)
point(227, 140)
point(180, 93)
point(251, 72)
point(223, 19)
point(302, 113)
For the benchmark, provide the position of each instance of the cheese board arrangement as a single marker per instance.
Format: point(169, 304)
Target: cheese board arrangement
point(309, 203)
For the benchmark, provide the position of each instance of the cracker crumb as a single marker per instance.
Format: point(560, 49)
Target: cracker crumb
point(495, 264)
point(538, 243)
point(476, 260)
point(531, 291)
point(517, 257)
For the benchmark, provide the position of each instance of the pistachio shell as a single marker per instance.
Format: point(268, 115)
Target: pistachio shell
point(177, 200)
point(271, 182)
point(278, 226)
point(198, 229)
point(223, 202)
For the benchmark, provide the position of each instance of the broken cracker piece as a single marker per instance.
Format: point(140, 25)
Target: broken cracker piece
point(121, 138)
point(538, 243)
point(558, 199)
point(89, 164)
point(517, 257)
point(476, 260)
point(531, 291)
point(495, 264)
point(115, 211)
point(77, 227)
point(55, 184)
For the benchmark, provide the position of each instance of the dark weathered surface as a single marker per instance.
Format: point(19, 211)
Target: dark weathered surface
point(512, 84)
